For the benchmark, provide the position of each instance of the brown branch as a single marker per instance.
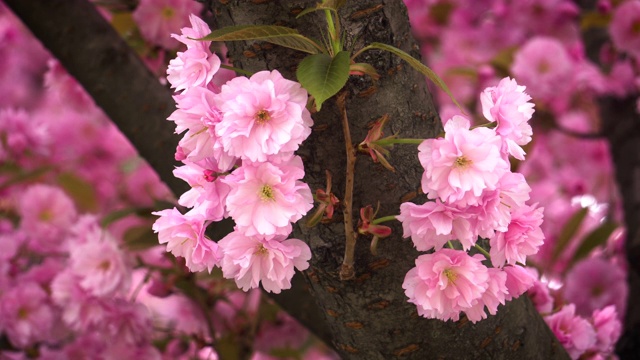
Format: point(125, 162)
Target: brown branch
point(347, 271)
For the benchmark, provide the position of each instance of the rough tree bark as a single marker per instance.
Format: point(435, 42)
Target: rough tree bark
point(369, 317)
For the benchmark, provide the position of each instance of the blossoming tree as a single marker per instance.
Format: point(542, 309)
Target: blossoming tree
point(237, 154)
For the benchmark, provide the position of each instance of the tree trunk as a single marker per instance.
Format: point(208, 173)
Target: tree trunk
point(369, 317)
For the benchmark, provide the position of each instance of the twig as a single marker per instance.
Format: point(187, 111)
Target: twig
point(346, 270)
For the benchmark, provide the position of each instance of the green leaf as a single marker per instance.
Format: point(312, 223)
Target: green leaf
point(81, 191)
point(278, 35)
point(594, 20)
point(323, 76)
point(595, 238)
point(140, 238)
point(416, 64)
point(333, 5)
point(568, 232)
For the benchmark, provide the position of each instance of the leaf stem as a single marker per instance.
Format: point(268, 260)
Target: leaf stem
point(347, 271)
point(238, 70)
point(384, 219)
point(391, 141)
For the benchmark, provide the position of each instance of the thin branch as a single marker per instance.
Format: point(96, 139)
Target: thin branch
point(347, 271)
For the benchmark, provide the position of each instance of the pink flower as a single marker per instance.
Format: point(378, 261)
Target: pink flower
point(523, 237)
point(595, 283)
point(573, 332)
point(157, 19)
point(198, 29)
point(509, 106)
point(254, 259)
point(460, 166)
point(184, 236)
point(46, 213)
point(445, 283)
point(100, 265)
point(491, 298)
point(26, 314)
point(265, 198)
point(432, 224)
point(263, 115)
point(544, 66)
point(539, 294)
point(207, 191)
point(608, 328)
point(624, 27)
point(198, 115)
point(519, 280)
point(192, 68)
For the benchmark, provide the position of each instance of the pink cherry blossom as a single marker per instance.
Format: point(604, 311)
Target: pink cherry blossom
point(251, 260)
point(46, 213)
point(157, 19)
point(184, 236)
point(26, 315)
point(192, 68)
point(460, 166)
point(519, 280)
point(432, 224)
point(265, 198)
point(544, 66)
point(262, 115)
point(608, 327)
point(594, 283)
point(100, 265)
point(522, 238)
point(539, 294)
point(573, 332)
point(491, 298)
point(207, 191)
point(198, 115)
point(624, 27)
point(508, 105)
point(445, 283)
point(198, 29)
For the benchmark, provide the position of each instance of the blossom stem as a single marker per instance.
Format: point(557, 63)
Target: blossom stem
point(383, 219)
point(237, 70)
point(450, 245)
point(347, 271)
point(483, 251)
point(391, 141)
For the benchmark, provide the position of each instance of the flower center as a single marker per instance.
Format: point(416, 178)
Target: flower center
point(167, 12)
point(544, 67)
point(23, 313)
point(262, 116)
point(462, 162)
point(261, 250)
point(451, 275)
point(104, 265)
point(266, 193)
point(46, 215)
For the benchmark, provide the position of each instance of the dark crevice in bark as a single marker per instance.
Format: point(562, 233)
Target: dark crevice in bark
point(369, 317)
point(92, 52)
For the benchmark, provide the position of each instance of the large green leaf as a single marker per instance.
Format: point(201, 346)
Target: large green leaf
point(568, 232)
point(278, 35)
point(323, 76)
point(595, 238)
point(416, 64)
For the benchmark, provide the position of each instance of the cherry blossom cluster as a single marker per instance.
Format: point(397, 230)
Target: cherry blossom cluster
point(238, 155)
point(474, 196)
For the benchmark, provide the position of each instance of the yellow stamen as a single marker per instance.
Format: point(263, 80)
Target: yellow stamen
point(266, 193)
point(462, 162)
point(451, 275)
point(262, 116)
point(261, 250)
